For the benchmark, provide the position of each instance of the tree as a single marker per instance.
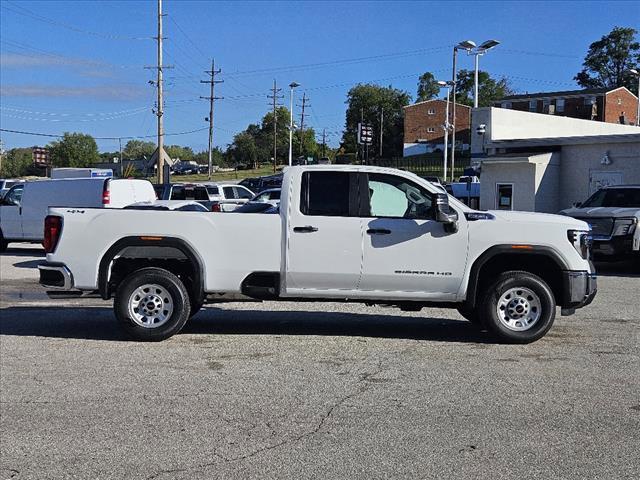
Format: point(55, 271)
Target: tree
point(243, 150)
point(367, 100)
point(217, 157)
point(283, 119)
point(609, 60)
point(428, 87)
point(490, 90)
point(137, 150)
point(74, 150)
point(18, 162)
point(176, 151)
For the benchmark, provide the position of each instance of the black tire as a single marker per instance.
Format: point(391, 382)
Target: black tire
point(526, 295)
point(195, 308)
point(169, 288)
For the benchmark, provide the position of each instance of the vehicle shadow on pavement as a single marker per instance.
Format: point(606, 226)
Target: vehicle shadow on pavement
point(618, 269)
point(98, 323)
point(28, 264)
point(23, 252)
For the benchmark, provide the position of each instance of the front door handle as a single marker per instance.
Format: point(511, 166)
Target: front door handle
point(305, 229)
point(378, 231)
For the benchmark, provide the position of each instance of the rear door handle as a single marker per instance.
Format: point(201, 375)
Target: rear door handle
point(305, 229)
point(378, 231)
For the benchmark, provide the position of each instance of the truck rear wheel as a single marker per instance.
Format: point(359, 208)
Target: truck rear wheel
point(519, 307)
point(152, 304)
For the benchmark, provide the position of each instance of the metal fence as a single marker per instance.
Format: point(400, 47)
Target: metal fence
point(425, 165)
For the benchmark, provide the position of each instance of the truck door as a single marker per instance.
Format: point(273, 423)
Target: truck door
point(323, 253)
point(11, 213)
point(406, 252)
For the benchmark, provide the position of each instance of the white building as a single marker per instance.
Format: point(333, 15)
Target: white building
point(538, 162)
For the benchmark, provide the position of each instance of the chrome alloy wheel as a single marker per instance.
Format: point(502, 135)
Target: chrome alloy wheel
point(519, 309)
point(150, 305)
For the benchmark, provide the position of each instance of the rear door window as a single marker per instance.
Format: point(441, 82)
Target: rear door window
point(242, 192)
point(228, 192)
point(326, 194)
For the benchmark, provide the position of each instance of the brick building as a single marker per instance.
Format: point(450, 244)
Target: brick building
point(611, 105)
point(423, 126)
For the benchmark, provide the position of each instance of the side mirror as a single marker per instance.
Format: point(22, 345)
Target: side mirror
point(577, 204)
point(445, 214)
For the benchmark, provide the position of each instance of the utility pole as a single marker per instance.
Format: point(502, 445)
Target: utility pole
point(121, 166)
point(453, 115)
point(304, 104)
point(274, 97)
point(381, 128)
point(324, 141)
point(160, 154)
point(212, 82)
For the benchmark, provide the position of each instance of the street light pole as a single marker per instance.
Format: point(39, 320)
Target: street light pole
point(636, 73)
point(446, 126)
point(477, 52)
point(292, 85)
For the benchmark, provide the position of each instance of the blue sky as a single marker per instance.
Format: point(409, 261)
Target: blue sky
point(79, 65)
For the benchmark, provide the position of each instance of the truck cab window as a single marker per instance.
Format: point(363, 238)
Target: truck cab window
point(14, 196)
point(395, 197)
point(325, 194)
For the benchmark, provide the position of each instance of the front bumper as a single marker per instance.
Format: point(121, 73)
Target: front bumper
point(55, 276)
point(580, 288)
point(617, 246)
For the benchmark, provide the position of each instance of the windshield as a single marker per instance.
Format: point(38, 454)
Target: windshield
point(615, 197)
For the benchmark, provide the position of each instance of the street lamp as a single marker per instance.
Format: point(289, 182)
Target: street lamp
point(464, 45)
point(477, 52)
point(446, 126)
point(292, 86)
point(636, 73)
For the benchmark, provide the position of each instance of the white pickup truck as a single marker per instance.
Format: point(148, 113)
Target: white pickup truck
point(344, 233)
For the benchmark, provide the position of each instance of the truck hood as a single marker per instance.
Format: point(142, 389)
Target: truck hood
point(540, 218)
point(601, 212)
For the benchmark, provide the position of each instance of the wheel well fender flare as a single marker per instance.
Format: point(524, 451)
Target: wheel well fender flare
point(137, 241)
point(498, 250)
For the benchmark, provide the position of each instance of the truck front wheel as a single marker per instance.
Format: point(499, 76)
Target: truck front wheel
point(152, 304)
point(519, 307)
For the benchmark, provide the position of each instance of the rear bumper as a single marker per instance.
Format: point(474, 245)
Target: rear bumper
point(55, 276)
point(580, 288)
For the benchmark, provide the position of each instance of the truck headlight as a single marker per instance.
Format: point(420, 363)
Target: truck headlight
point(624, 226)
point(581, 241)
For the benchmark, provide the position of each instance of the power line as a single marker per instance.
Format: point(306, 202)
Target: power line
point(20, 10)
point(124, 137)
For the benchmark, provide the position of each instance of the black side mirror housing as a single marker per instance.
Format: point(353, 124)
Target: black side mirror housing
point(445, 214)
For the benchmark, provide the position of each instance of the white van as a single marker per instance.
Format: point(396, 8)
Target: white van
point(24, 207)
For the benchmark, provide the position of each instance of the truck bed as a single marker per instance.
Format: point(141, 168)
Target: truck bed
point(233, 245)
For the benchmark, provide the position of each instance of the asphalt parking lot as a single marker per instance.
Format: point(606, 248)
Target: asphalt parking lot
point(314, 390)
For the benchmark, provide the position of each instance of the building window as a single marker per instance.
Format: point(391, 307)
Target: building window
point(504, 196)
point(533, 105)
point(619, 101)
point(431, 111)
point(560, 105)
point(506, 105)
point(431, 129)
point(588, 101)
